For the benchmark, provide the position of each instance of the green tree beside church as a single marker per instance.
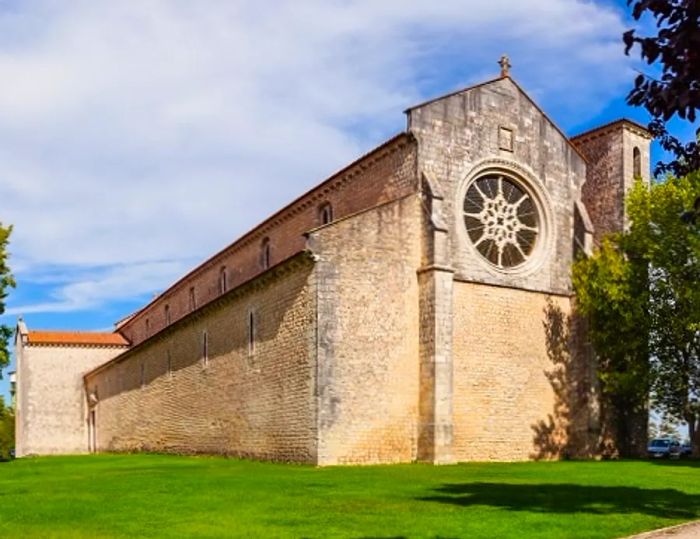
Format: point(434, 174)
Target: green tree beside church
point(640, 292)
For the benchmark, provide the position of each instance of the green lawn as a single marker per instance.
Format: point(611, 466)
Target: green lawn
point(169, 496)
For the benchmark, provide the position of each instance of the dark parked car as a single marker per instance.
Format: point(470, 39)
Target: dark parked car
point(664, 448)
point(686, 450)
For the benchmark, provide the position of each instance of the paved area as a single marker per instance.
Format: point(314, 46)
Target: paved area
point(690, 530)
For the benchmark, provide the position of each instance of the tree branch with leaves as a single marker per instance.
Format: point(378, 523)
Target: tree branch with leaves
point(676, 47)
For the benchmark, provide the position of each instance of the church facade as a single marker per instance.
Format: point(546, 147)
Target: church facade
point(415, 306)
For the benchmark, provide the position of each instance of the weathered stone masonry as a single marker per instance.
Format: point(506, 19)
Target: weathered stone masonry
point(417, 324)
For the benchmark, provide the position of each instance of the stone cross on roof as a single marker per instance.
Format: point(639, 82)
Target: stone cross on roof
point(504, 62)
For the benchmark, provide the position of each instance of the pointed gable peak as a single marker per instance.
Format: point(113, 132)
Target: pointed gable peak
point(505, 66)
point(451, 94)
point(503, 78)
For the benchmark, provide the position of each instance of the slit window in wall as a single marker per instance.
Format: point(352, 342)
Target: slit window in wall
point(143, 375)
point(251, 333)
point(265, 257)
point(636, 162)
point(169, 364)
point(167, 315)
point(193, 299)
point(325, 213)
point(148, 326)
point(93, 432)
point(223, 280)
point(205, 348)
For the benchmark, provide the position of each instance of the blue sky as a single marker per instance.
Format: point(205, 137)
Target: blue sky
point(139, 137)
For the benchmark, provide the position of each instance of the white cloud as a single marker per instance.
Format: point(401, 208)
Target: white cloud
point(78, 289)
point(138, 131)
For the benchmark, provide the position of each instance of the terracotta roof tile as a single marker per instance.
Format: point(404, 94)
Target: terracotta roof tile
point(79, 338)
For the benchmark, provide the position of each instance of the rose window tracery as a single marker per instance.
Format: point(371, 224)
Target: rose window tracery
point(501, 219)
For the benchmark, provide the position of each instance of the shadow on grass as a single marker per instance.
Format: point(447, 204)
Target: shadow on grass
point(685, 462)
point(570, 498)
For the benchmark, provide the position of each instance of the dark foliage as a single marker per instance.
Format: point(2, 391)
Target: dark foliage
point(677, 47)
point(7, 431)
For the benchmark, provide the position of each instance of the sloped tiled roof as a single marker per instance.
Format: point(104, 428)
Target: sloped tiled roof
point(76, 338)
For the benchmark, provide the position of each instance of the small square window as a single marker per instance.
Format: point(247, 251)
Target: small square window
point(505, 139)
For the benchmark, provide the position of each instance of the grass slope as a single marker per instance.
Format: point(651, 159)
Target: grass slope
point(170, 496)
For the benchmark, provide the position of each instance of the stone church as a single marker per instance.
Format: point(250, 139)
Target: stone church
point(415, 306)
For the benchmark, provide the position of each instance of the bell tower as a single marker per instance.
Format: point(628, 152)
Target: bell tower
point(617, 153)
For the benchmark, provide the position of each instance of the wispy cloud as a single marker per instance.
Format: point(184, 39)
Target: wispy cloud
point(80, 289)
point(138, 131)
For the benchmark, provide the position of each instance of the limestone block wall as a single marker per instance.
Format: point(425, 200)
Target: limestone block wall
point(368, 370)
point(51, 407)
point(173, 393)
point(503, 397)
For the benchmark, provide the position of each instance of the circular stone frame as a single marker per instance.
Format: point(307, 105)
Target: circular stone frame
point(530, 185)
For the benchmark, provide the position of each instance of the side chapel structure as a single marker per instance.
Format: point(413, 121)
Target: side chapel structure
point(416, 305)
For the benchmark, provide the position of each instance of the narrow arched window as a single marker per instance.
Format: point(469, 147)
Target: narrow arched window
point(325, 213)
point(193, 299)
point(167, 315)
point(265, 256)
point(251, 333)
point(637, 162)
point(148, 326)
point(223, 280)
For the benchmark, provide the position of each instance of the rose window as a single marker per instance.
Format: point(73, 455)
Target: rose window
point(501, 220)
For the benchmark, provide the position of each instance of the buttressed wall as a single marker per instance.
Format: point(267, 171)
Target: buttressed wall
point(415, 306)
point(302, 394)
point(504, 183)
point(368, 334)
